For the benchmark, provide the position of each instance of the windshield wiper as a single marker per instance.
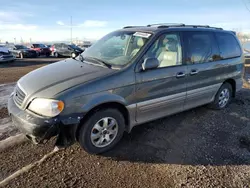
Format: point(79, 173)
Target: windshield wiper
point(99, 61)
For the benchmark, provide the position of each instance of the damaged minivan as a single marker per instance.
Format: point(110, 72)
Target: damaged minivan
point(129, 77)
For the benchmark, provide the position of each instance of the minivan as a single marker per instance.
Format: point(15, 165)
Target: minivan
point(131, 76)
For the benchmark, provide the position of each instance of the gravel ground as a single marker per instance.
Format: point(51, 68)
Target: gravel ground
point(21, 155)
point(3, 113)
point(7, 128)
point(197, 148)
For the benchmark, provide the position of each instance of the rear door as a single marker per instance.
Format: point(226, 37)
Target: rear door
point(204, 67)
point(162, 91)
point(65, 50)
point(58, 48)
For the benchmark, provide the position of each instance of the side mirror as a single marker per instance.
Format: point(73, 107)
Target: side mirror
point(150, 63)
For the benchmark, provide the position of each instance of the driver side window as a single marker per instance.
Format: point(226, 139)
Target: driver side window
point(167, 49)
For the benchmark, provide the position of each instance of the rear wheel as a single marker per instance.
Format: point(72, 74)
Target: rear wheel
point(223, 97)
point(102, 131)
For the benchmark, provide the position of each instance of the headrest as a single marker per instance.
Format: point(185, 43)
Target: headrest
point(140, 42)
point(171, 46)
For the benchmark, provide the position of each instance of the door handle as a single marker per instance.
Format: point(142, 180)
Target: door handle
point(180, 75)
point(193, 72)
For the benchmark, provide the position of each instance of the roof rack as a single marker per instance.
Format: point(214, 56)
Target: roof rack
point(159, 25)
point(203, 26)
point(168, 25)
point(132, 27)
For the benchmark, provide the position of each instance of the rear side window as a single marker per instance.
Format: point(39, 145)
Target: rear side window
point(58, 45)
point(200, 47)
point(229, 47)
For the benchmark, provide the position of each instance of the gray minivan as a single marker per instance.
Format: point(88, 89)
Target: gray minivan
point(129, 77)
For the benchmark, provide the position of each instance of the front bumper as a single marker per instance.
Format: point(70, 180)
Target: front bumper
point(7, 59)
point(38, 129)
point(30, 54)
point(34, 127)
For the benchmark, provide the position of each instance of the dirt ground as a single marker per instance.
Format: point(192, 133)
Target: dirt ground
point(3, 113)
point(197, 148)
point(11, 72)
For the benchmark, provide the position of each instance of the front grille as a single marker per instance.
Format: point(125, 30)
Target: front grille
point(19, 96)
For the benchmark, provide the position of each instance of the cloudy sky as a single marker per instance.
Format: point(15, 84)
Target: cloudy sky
point(47, 20)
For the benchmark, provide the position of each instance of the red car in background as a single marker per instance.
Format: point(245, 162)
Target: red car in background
point(41, 49)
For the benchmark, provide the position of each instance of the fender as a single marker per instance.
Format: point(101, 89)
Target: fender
point(102, 98)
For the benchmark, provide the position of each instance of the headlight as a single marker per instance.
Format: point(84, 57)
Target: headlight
point(46, 107)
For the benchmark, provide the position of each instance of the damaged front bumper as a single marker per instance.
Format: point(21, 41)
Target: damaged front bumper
point(39, 129)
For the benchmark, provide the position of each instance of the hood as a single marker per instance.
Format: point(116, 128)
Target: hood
point(4, 49)
point(52, 79)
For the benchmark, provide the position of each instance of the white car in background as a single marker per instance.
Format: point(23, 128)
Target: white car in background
point(6, 55)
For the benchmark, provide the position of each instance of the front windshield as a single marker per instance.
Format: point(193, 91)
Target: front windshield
point(20, 47)
point(117, 48)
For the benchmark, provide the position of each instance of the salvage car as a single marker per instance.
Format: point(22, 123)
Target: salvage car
point(65, 50)
point(129, 77)
point(22, 51)
point(6, 55)
point(41, 49)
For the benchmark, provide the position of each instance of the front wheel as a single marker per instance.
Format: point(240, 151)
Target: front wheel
point(223, 97)
point(102, 131)
point(73, 55)
point(56, 54)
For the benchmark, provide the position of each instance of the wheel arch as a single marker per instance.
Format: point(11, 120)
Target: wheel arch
point(232, 82)
point(112, 104)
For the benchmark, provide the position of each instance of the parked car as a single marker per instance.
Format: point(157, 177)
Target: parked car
point(6, 55)
point(85, 45)
point(65, 50)
point(21, 51)
point(41, 49)
point(129, 77)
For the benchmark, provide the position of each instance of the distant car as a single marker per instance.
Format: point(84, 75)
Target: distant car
point(41, 49)
point(84, 46)
point(22, 51)
point(6, 55)
point(66, 50)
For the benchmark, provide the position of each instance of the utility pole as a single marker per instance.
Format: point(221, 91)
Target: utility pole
point(15, 40)
point(71, 29)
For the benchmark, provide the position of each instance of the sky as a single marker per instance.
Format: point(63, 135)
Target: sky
point(49, 20)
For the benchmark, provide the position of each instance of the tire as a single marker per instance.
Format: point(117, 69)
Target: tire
point(56, 54)
point(73, 55)
point(217, 104)
point(47, 54)
point(21, 55)
point(90, 143)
